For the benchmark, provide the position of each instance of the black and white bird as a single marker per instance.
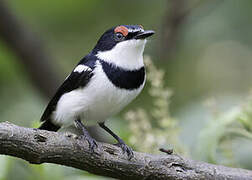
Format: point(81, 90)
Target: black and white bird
point(102, 84)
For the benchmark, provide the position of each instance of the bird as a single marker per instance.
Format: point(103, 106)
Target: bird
point(101, 84)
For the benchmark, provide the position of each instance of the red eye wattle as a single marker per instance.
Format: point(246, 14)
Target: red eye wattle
point(121, 29)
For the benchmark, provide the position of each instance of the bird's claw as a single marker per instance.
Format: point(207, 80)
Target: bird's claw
point(91, 141)
point(127, 149)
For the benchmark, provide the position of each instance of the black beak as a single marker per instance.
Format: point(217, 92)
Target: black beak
point(144, 34)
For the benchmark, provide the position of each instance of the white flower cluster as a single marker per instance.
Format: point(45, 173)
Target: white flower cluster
point(154, 129)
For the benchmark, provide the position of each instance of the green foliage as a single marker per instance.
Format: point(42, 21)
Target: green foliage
point(156, 128)
point(215, 140)
point(4, 167)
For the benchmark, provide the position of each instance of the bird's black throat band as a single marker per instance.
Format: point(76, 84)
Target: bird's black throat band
point(124, 79)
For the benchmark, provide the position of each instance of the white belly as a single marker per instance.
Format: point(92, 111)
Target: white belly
point(94, 103)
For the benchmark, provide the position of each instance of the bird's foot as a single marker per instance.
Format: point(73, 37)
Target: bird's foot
point(125, 148)
point(91, 141)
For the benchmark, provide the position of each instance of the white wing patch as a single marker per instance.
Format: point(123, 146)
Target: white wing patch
point(80, 68)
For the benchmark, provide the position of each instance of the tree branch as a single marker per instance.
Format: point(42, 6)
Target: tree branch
point(39, 146)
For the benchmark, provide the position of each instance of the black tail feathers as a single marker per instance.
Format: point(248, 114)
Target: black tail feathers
point(49, 126)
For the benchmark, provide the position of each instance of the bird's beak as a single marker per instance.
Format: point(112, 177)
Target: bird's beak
point(144, 34)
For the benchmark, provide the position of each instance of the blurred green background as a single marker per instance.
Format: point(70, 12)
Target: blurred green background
point(203, 46)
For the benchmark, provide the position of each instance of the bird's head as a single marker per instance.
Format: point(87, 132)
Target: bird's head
point(122, 44)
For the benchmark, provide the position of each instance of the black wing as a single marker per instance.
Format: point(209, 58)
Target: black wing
point(74, 81)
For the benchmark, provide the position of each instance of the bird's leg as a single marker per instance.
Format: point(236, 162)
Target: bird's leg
point(91, 141)
point(121, 143)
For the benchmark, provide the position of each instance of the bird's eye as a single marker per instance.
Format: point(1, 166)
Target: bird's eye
point(119, 37)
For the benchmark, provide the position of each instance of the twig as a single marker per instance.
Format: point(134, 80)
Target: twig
point(167, 151)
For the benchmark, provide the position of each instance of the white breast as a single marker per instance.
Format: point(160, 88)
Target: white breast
point(94, 103)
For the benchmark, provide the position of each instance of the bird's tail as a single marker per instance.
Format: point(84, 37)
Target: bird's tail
point(49, 126)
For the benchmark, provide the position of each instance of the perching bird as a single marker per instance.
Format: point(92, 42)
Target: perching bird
point(101, 84)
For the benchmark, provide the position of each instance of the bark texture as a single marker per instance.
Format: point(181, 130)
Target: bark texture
point(39, 146)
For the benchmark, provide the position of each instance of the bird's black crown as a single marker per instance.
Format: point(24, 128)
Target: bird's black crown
point(119, 34)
